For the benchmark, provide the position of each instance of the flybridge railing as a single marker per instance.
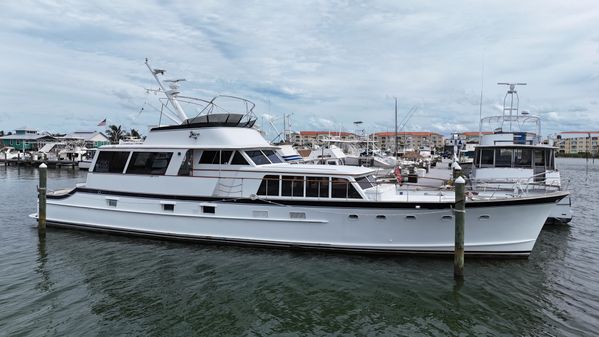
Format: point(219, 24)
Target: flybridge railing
point(221, 105)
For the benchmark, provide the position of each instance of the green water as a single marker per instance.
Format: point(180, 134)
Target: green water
point(84, 284)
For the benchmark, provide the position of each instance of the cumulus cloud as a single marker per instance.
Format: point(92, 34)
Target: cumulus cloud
point(69, 64)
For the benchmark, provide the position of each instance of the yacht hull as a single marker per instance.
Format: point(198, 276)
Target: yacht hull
point(500, 228)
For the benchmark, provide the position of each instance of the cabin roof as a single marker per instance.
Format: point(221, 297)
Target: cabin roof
point(537, 146)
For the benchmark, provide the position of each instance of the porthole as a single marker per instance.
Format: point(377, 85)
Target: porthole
point(297, 215)
point(353, 216)
point(484, 217)
point(381, 217)
point(410, 217)
point(208, 209)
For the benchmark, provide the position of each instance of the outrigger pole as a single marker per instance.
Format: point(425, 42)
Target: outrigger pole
point(171, 95)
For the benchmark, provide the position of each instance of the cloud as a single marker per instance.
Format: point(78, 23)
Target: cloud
point(69, 64)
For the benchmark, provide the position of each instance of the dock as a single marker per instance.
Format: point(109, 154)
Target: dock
point(36, 163)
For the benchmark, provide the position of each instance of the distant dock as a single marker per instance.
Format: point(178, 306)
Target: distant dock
point(36, 163)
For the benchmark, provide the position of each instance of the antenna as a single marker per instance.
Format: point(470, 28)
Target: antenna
point(511, 92)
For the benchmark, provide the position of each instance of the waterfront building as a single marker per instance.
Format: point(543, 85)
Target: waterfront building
point(407, 140)
point(91, 139)
point(312, 137)
point(26, 139)
point(574, 142)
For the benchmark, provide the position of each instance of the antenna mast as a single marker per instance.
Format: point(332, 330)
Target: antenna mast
point(511, 92)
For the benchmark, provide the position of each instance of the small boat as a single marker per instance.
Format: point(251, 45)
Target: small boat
point(10, 152)
point(86, 160)
point(214, 178)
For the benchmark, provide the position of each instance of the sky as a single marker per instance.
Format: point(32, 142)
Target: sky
point(67, 65)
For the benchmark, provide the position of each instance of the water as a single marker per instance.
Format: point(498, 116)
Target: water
point(86, 284)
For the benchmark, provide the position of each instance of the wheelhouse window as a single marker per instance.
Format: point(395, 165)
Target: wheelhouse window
point(258, 157)
point(342, 188)
point(153, 163)
point(503, 157)
point(186, 164)
point(269, 186)
point(215, 157)
point(486, 157)
point(272, 156)
point(238, 159)
point(111, 161)
point(292, 186)
point(522, 158)
point(317, 187)
point(366, 182)
point(539, 158)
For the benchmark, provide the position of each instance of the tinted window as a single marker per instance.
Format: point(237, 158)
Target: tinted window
point(258, 157)
point(503, 157)
point(486, 157)
point(154, 163)
point(317, 187)
point(209, 157)
point(111, 161)
point(186, 165)
point(272, 156)
point(364, 182)
point(539, 158)
point(341, 188)
point(238, 159)
point(522, 157)
point(292, 186)
point(225, 156)
point(338, 188)
point(269, 186)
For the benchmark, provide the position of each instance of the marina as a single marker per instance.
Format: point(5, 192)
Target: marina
point(294, 169)
point(77, 282)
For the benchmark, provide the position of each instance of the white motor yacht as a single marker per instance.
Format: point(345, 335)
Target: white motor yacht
point(518, 160)
point(214, 178)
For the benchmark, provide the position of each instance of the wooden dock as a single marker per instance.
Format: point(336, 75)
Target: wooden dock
point(36, 163)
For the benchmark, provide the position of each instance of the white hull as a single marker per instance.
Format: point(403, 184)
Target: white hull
point(85, 164)
point(511, 229)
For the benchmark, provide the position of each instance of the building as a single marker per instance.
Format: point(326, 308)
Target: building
point(407, 140)
point(574, 142)
point(91, 139)
point(312, 137)
point(26, 139)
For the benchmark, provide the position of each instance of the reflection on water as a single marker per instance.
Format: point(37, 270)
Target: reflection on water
point(80, 283)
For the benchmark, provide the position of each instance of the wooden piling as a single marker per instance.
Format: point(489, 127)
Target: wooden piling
point(41, 213)
point(460, 214)
point(457, 170)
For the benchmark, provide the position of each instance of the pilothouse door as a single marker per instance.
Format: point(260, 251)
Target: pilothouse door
point(539, 166)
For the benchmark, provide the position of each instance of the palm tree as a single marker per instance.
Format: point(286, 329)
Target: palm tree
point(115, 133)
point(135, 134)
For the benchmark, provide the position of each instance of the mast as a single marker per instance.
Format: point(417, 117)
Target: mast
point(171, 94)
point(511, 92)
point(396, 140)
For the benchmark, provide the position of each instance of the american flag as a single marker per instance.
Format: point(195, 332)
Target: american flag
point(102, 123)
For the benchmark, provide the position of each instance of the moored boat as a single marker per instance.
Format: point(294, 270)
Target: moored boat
point(215, 178)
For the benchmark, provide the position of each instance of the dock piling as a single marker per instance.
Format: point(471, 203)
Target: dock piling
point(41, 213)
point(457, 170)
point(460, 214)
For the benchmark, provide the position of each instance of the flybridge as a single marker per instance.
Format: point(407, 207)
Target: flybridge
point(220, 111)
